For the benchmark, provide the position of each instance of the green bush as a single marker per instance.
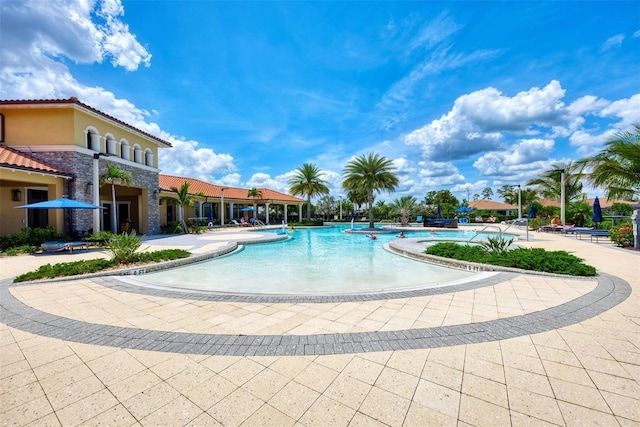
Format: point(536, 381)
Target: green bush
point(496, 245)
point(101, 238)
point(534, 259)
point(305, 223)
point(94, 265)
point(123, 247)
point(163, 255)
point(26, 237)
point(172, 227)
point(66, 269)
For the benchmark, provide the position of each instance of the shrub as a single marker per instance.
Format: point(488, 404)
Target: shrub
point(172, 227)
point(122, 247)
point(26, 237)
point(94, 265)
point(66, 269)
point(163, 255)
point(622, 235)
point(101, 238)
point(496, 245)
point(535, 259)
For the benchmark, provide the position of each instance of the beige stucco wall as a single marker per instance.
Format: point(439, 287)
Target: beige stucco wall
point(37, 126)
point(12, 220)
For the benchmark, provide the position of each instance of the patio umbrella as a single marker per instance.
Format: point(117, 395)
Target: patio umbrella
point(61, 203)
point(597, 211)
point(532, 211)
point(439, 214)
point(247, 209)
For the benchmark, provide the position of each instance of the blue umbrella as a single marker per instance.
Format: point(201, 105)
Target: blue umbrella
point(439, 215)
point(247, 209)
point(464, 209)
point(61, 203)
point(532, 211)
point(597, 211)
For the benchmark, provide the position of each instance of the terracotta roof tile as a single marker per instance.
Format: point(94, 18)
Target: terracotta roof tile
point(15, 159)
point(74, 100)
point(212, 190)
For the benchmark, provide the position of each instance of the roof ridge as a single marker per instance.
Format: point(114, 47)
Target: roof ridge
point(75, 100)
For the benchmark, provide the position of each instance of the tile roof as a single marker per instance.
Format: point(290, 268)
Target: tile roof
point(491, 205)
point(75, 101)
point(14, 159)
point(604, 203)
point(212, 190)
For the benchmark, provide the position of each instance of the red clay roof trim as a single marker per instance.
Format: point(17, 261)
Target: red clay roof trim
point(211, 190)
point(15, 159)
point(74, 100)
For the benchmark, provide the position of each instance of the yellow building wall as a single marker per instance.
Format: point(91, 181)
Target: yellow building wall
point(12, 220)
point(83, 120)
point(37, 126)
point(65, 125)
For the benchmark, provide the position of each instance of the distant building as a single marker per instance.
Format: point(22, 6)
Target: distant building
point(491, 206)
point(271, 206)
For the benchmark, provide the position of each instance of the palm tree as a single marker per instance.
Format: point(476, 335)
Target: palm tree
point(617, 167)
point(405, 206)
point(184, 198)
point(357, 196)
point(114, 175)
point(373, 173)
point(549, 186)
point(254, 193)
point(307, 181)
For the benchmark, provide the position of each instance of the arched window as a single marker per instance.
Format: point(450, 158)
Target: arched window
point(93, 139)
point(111, 144)
point(148, 157)
point(125, 149)
point(137, 154)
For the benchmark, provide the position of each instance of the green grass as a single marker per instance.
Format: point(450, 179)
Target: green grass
point(534, 259)
point(50, 271)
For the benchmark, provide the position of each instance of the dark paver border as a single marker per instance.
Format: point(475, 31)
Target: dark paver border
point(609, 292)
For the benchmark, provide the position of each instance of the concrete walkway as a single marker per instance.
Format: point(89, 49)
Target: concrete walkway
point(512, 349)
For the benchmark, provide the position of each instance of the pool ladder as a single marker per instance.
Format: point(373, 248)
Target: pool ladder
point(495, 227)
point(500, 231)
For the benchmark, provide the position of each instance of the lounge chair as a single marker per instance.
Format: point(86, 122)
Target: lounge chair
point(55, 246)
point(597, 234)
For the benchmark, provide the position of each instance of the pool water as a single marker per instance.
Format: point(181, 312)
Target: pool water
point(313, 261)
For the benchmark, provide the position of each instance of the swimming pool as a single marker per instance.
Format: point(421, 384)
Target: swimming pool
point(312, 262)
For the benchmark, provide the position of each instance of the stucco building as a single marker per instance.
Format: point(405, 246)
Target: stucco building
point(55, 148)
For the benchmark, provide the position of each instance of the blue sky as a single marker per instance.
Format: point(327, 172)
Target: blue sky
point(460, 95)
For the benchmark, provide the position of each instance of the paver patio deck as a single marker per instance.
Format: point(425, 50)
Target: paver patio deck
point(510, 349)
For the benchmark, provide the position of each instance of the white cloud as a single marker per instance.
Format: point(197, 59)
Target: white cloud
point(34, 30)
point(587, 104)
point(612, 42)
point(523, 158)
point(477, 121)
point(628, 110)
point(186, 159)
point(437, 175)
point(588, 142)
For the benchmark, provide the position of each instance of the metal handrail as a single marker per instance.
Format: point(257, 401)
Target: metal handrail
point(484, 228)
